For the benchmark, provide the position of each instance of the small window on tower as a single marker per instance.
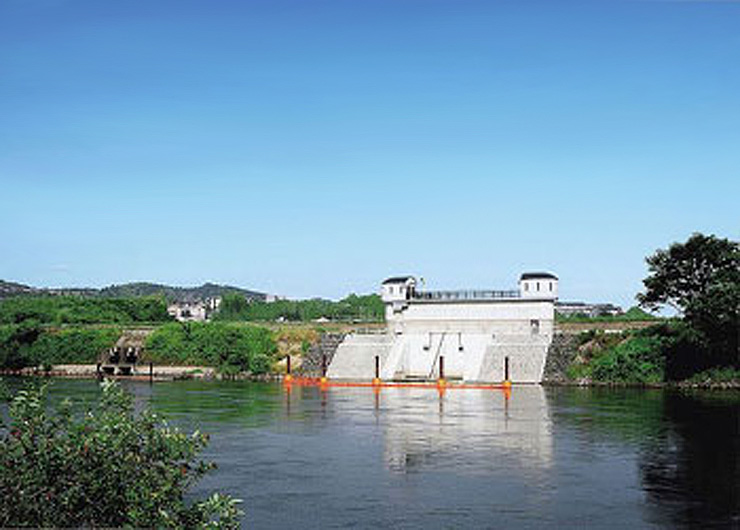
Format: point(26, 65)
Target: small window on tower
point(550, 286)
point(535, 326)
point(526, 286)
point(538, 286)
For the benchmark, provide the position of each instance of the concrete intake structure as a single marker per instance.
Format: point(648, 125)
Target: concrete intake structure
point(483, 336)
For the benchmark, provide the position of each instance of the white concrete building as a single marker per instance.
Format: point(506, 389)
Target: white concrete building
point(198, 310)
point(480, 335)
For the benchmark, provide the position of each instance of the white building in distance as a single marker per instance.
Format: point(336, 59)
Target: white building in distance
point(480, 335)
point(196, 310)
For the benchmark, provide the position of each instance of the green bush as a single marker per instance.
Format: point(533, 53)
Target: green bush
point(28, 344)
point(231, 348)
point(108, 467)
point(16, 341)
point(638, 359)
point(73, 346)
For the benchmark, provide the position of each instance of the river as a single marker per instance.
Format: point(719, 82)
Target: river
point(412, 458)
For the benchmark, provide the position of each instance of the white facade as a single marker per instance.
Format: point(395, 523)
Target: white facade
point(198, 311)
point(538, 285)
point(481, 336)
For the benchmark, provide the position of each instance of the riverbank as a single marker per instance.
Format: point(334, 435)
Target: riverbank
point(184, 373)
point(662, 355)
point(142, 372)
point(704, 385)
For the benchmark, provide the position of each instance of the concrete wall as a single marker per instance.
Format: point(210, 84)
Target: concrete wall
point(355, 356)
point(474, 338)
point(478, 337)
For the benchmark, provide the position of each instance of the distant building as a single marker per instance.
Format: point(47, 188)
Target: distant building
point(269, 298)
point(196, 311)
point(568, 309)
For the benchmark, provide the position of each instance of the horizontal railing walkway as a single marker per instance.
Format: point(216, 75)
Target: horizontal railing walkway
point(464, 295)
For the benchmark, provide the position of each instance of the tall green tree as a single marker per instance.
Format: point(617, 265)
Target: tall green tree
point(701, 280)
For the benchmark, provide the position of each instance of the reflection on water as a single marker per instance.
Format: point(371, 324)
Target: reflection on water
point(412, 458)
point(692, 470)
point(470, 430)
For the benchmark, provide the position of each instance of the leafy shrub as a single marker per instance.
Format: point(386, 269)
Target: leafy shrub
point(231, 348)
point(638, 359)
point(28, 344)
point(16, 341)
point(73, 346)
point(107, 468)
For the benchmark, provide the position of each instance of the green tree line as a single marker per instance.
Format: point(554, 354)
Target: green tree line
point(60, 310)
point(367, 308)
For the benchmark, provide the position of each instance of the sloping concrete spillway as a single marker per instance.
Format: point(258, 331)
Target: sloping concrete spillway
point(355, 356)
point(467, 357)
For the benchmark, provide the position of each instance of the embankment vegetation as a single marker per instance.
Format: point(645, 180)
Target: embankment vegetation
point(27, 344)
point(353, 308)
point(40, 331)
point(48, 330)
point(700, 279)
point(633, 314)
point(231, 348)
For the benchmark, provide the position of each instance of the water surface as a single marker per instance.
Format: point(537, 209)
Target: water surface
point(412, 458)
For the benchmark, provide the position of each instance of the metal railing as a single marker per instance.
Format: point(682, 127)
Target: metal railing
point(463, 295)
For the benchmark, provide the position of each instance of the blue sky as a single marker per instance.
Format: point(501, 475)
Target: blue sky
point(312, 148)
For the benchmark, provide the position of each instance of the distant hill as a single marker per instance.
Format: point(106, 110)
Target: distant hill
point(15, 289)
point(180, 294)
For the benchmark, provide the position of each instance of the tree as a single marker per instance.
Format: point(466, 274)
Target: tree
point(701, 279)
